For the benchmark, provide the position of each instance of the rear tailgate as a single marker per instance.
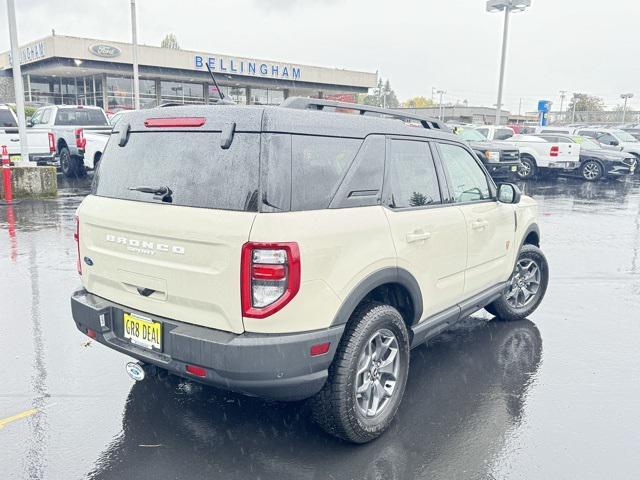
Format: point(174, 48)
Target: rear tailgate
point(568, 152)
point(189, 257)
point(178, 256)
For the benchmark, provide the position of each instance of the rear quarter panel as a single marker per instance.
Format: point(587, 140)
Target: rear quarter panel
point(338, 249)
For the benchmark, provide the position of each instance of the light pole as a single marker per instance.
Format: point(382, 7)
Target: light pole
point(18, 86)
point(563, 93)
point(507, 6)
point(134, 42)
point(440, 106)
point(625, 97)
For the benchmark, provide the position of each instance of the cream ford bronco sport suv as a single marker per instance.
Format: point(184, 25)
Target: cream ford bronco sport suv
point(295, 252)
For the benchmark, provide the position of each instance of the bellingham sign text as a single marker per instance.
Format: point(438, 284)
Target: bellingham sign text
point(248, 67)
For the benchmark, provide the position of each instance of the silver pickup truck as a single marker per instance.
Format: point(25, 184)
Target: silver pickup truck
point(68, 124)
point(41, 145)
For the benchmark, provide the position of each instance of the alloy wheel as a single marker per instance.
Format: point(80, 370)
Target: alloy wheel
point(525, 284)
point(591, 171)
point(525, 170)
point(377, 374)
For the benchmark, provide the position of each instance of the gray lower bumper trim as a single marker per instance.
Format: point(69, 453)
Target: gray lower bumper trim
point(273, 366)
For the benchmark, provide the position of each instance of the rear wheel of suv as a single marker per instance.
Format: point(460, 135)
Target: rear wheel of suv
point(527, 168)
point(367, 377)
point(591, 171)
point(526, 287)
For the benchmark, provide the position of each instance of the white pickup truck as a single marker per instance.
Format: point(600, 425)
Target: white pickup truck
point(537, 155)
point(42, 145)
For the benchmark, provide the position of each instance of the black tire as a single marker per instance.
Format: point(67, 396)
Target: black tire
point(335, 408)
point(591, 171)
point(506, 307)
point(71, 166)
point(66, 164)
point(528, 168)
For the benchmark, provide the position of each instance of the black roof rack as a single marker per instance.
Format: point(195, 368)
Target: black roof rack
point(319, 104)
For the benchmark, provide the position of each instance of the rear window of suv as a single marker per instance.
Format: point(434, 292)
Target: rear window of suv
point(192, 164)
point(81, 116)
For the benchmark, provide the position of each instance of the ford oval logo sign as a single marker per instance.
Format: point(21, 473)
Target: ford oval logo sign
point(106, 51)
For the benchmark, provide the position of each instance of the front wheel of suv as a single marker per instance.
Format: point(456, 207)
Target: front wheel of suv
point(367, 377)
point(526, 287)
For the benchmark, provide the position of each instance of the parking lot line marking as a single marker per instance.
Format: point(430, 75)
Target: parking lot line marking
point(18, 416)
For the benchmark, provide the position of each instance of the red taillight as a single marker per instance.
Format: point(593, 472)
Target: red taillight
point(555, 151)
point(76, 237)
point(319, 349)
point(52, 142)
point(91, 333)
point(81, 142)
point(197, 371)
point(174, 122)
point(269, 277)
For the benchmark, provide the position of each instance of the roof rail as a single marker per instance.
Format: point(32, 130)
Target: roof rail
point(319, 104)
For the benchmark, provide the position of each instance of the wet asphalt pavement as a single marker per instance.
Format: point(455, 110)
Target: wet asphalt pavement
point(553, 397)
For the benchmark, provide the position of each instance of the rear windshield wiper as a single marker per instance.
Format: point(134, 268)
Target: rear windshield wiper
point(159, 193)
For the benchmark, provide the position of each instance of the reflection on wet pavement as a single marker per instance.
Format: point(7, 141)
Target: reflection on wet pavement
point(550, 397)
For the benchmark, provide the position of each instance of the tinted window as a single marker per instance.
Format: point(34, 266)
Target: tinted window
point(467, 180)
point(46, 116)
point(80, 116)
point(275, 170)
point(6, 119)
point(412, 179)
point(362, 184)
point(37, 117)
point(587, 133)
point(503, 134)
point(318, 165)
point(607, 139)
point(192, 165)
point(484, 131)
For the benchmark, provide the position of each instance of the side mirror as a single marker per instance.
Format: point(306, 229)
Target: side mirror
point(615, 143)
point(509, 193)
point(29, 123)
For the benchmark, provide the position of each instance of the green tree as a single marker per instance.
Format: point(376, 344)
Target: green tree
point(418, 102)
point(170, 41)
point(382, 95)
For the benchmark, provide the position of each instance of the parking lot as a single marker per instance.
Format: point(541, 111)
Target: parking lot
point(554, 396)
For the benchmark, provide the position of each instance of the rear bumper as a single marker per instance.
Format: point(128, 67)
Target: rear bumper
point(271, 366)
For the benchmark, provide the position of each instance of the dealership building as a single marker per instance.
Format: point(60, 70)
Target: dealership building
point(70, 70)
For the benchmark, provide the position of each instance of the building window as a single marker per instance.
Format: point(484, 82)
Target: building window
point(261, 96)
point(120, 93)
point(182, 92)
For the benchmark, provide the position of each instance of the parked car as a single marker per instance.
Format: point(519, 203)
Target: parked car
point(69, 123)
point(634, 131)
point(597, 162)
point(41, 145)
point(614, 139)
point(539, 156)
point(493, 132)
point(499, 159)
point(291, 253)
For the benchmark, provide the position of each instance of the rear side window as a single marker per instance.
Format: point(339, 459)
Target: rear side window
point(192, 164)
point(6, 119)
point(80, 116)
point(317, 167)
point(412, 179)
point(503, 134)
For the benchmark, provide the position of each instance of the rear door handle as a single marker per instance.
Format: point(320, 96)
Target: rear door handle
point(479, 224)
point(418, 236)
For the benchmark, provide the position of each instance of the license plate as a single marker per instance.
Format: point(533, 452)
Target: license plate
point(15, 158)
point(514, 168)
point(143, 332)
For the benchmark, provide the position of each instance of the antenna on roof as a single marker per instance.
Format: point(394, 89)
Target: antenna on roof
point(214, 82)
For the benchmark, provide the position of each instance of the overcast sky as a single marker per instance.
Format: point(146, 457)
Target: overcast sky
point(576, 45)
